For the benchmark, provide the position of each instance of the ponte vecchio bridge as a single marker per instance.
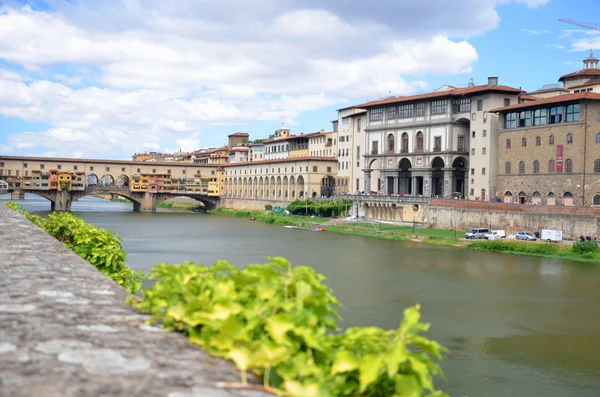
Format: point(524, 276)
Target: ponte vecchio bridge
point(64, 180)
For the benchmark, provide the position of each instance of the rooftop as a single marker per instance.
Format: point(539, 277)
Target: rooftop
point(287, 160)
point(591, 96)
point(453, 92)
point(581, 73)
point(242, 134)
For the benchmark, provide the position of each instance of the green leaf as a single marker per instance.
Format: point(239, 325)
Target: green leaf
point(240, 356)
point(368, 369)
point(344, 362)
point(278, 326)
point(395, 356)
point(407, 386)
point(303, 291)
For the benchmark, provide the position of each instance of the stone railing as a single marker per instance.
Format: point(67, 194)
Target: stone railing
point(387, 199)
point(67, 331)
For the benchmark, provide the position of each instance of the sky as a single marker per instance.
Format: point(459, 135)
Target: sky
point(110, 78)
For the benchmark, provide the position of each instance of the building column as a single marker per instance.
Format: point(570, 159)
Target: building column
point(448, 186)
point(396, 187)
point(413, 187)
point(367, 186)
point(427, 184)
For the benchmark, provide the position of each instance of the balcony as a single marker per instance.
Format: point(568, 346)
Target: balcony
point(437, 149)
point(374, 152)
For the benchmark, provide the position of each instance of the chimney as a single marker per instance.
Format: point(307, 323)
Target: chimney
point(492, 81)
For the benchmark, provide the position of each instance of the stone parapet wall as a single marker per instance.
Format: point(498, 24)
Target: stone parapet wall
point(463, 215)
point(66, 331)
point(249, 204)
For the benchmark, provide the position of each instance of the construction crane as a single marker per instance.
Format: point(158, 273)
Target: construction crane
point(582, 24)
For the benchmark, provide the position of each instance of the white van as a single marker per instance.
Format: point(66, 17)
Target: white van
point(550, 235)
point(495, 235)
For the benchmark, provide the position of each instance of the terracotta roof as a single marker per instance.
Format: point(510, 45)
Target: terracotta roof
point(555, 99)
point(287, 160)
point(448, 93)
point(528, 97)
point(547, 90)
point(257, 144)
point(242, 134)
point(240, 149)
point(584, 72)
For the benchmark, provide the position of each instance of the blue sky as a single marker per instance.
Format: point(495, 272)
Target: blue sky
point(151, 75)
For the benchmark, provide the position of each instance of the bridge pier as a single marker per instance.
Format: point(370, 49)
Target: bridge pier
point(147, 203)
point(17, 194)
point(62, 201)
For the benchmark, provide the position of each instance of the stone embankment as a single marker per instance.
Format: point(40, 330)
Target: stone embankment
point(66, 330)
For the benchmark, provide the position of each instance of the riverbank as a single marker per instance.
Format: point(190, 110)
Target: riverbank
point(172, 204)
point(438, 237)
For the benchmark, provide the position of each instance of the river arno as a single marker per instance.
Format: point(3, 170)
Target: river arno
point(515, 325)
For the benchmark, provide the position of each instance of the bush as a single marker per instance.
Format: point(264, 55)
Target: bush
point(583, 247)
point(326, 208)
point(268, 207)
point(101, 248)
point(279, 322)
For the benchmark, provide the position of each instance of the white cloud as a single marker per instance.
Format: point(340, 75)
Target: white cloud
point(152, 73)
point(534, 32)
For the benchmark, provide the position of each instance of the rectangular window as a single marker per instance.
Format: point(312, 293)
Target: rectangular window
point(556, 115)
point(483, 171)
point(573, 112)
point(376, 114)
point(346, 120)
point(539, 117)
point(420, 109)
point(375, 147)
point(139, 170)
point(437, 144)
point(525, 118)
point(358, 125)
point(154, 170)
point(461, 105)
point(483, 151)
point(42, 167)
point(107, 169)
point(328, 169)
point(182, 171)
point(473, 116)
point(439, 107)
point(315, 168)
point(510, 120)
point(406, 111)
point(484, 133)
point(472, 134)
point(473, 152)
point(358, 152)
point(472, 171)
point(168, 171)
point(461, 144)
point(506, 101)
point(60, 167)
point(391, 112)
point(24, 165)
point(75, 168)
point(480, 104)
point(123, 169)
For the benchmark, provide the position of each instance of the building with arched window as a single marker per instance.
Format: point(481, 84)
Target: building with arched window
point(563, 167)
point(437, 144)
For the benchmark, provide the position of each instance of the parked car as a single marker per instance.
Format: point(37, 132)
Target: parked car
point(551, 235)
point(525, 236)
point(495, 235)
point(476, 233)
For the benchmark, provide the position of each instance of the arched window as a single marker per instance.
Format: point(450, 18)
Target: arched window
point(521, 167)
point(597, 138)
point(551, 140)
point(524, 142)
point(507, 168)
point(569, 138)
point(597, 166)
point(551, 167)
point(569, 166)
point(508, 143)
point(419, 141)
point(536, 167)
point(538, 141)
point(404, 143)
point(597, 199)
point(391, 143)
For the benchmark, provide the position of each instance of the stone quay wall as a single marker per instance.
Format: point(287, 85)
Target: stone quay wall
point(462, 215)
point(249, 204)
point(66, 331)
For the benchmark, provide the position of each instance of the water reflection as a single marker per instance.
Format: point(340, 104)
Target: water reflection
point(515, 325)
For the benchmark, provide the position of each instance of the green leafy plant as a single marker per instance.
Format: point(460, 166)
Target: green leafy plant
point(583, 247)
point(101, 248)
point(279, 322)
point(325, 208)
point(268, 207)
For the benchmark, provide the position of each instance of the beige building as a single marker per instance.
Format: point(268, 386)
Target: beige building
point(284, 179)
point(436, 144)
point(351, 140)
point(549, 151)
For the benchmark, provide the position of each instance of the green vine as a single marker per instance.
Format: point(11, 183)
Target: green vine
point(324, 208)
point(101, 248)
point(279, 322)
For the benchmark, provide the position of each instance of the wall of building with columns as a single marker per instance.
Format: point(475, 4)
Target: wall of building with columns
point(285, 179)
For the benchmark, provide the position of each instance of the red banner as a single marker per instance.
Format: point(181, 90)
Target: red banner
point(559, 158)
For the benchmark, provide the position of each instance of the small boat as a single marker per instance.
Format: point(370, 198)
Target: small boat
point(252, 218)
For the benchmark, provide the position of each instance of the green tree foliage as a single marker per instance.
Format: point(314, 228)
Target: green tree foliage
point(101, 248)
point(279, 322)
point(325, 208)
point(583, 247)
